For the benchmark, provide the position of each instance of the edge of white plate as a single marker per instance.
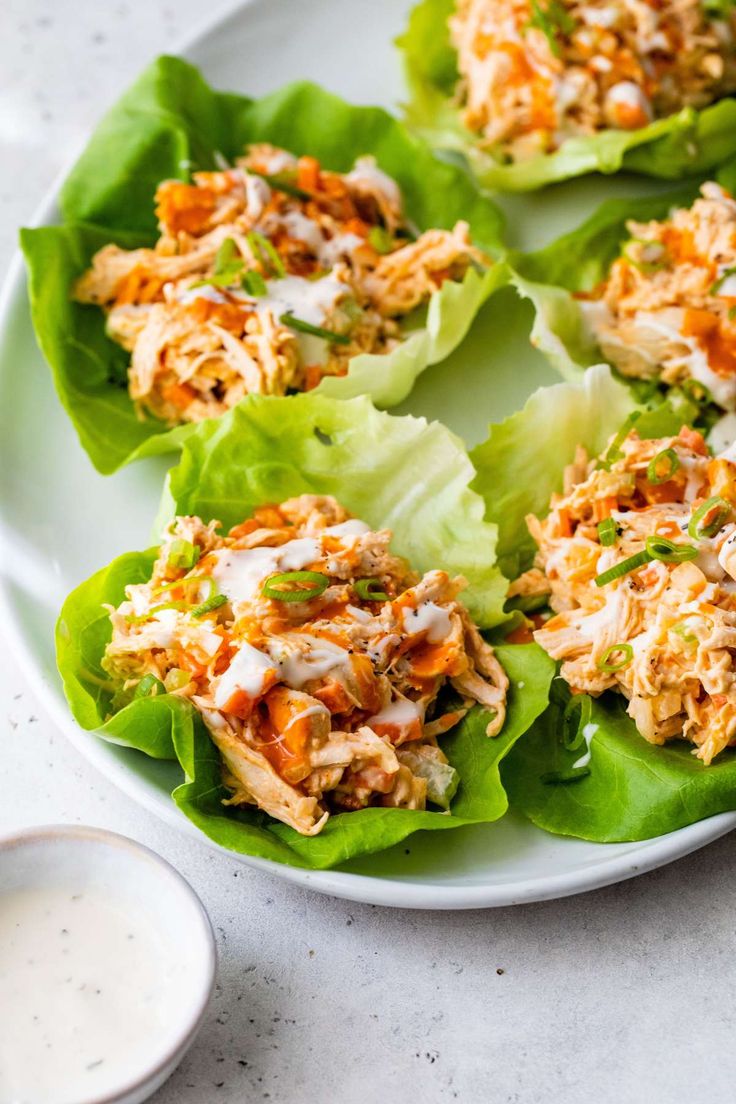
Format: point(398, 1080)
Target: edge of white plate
point(391, 892)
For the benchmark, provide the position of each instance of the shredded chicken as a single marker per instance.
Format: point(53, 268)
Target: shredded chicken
point(266, 278)
point(535, 72)
point(662, 631)
point(314, 655)
point(667, 308)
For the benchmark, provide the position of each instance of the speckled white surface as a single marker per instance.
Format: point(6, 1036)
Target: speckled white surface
point(625, 994)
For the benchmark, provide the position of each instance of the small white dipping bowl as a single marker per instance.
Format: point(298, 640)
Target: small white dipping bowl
point(38, 863)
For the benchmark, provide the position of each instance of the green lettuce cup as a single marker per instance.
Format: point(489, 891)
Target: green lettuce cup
point(170, 123)
point(622, 788)
point(686, 143)
point(402, 473)
point(578, 262)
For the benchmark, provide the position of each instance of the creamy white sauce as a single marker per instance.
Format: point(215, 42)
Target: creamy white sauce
point(722, 438)
point(309, 300)
point(627, 94)
point(403, 712)
point(366, 172)
point(161, 629)
point(257, 195)
point(606, 16)
point(248, 671)
point(430, 618)
point(342, 245)
point(727, 287)
point(304, 229)
point(312, 659)
point(87, 989)
point(589, 731)
point(668, 324)
point(278, 161)
point(352, 528)
point(359, 614)
point(316, 710)
point(205, 291)
point(240, 573)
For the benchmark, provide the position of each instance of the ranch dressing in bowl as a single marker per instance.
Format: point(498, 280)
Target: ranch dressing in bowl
point(106, 965)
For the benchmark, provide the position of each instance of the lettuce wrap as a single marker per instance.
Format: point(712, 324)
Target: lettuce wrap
point(171, 122)
point(578, 262)
point(686, 143)
point(628, 789)
point(403, 473)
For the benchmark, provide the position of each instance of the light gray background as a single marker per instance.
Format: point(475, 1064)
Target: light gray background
point(626, 994)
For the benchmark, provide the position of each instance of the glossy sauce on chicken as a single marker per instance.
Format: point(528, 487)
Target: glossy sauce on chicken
point(638, 559)
point(266, 277)
point(315, 657)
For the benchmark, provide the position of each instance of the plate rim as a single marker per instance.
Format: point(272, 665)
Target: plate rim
point(368, 889)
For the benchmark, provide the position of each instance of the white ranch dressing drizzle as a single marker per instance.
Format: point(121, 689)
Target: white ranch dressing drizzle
point(314, 659)
point(589, 731)
point(88, 988)
point(309, 300)
point(239, 573)
point(403, 711)
point(311, 711)
point(427, 617)
point(248, 671)
point(365, 171)
point(354, 527)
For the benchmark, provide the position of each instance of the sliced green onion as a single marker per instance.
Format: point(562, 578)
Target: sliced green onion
point(699, 527)
point(577, 715)
point(228, 266)
point(661, 548)
point(380, 239)
point(370, 590)
point(716, 287)
point(293, 323)
point(183, 554)
point(667, 458)
point(685, 633)
point(697, 392)
point(614, 452)
point(177, 679)
point(607, 532)
point(295, 586)
point(254, 283)
point(282, 184)
point(226, 255)
point(623, 568)
point(187, 581)
point(149, 687)
point(647, 267)
point(133, 620)
point(627, 652)
point(210, 604)
point(262, 248)
point(551, 20)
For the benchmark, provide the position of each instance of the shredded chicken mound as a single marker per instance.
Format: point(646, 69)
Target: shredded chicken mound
point(266, 277)
point(535, 72)
point(317, 702)
point(663, 633)
point(668, 307)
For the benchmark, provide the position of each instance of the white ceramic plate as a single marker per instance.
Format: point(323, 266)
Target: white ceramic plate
point(60, 521)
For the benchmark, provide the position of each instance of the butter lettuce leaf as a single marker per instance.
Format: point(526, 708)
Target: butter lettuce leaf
point(633, 790)
point(687, 143)
point(170, 123)
point(401, 473)
point(521, 463)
